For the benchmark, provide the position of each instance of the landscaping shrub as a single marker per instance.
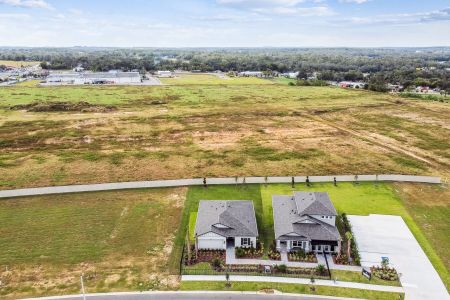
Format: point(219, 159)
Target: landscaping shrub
point(250, 252)
point(280, 268)
point(274, 255)
point(302, 256)
point(203, 256)
point(321, 270)
point(346, 227)
point(217, 264)
point(239, 252)
point(385, 273)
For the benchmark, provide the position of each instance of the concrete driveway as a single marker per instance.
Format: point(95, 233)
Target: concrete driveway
point(388, 236)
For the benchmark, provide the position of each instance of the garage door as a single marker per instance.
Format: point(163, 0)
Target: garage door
point(211, 243)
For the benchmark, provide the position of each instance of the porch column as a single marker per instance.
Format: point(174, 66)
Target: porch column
point(307, 246)
point(278, 244)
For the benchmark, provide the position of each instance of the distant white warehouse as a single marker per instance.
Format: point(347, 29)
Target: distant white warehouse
point(164, 73)
point(113, 77)
point(251, 74)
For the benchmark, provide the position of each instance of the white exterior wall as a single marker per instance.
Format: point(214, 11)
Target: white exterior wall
point(237, 241)
point(211, 240)
point(328, 219)
point(289, 246)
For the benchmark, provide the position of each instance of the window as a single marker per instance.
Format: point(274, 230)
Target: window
point(245, 241)
point(296, 244)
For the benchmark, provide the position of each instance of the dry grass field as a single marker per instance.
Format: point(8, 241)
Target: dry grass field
point(202, 79)
point(183, 131)
point(17, 64)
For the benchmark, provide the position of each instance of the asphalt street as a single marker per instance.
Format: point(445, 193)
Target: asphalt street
point(189, 296)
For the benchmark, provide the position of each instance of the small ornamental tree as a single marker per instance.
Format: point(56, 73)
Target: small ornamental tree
point(349, 237)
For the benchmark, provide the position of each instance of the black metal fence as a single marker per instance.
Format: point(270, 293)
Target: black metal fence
point(192, 270)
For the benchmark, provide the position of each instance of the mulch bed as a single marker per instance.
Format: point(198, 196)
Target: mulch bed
point(309, 258)
point(343, 261)
point(206, 256)
point(249, 253)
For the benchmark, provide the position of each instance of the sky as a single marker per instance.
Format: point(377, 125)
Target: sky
point(225, 23)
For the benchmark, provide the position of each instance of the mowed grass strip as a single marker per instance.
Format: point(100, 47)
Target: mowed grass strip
point(290, 288)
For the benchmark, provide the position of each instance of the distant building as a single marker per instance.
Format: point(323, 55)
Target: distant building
point(251, 74)
point(78, 69)
point(292, 75)
point(165, 74)
point(94, 78)
point(395, 88)
point(353, 85)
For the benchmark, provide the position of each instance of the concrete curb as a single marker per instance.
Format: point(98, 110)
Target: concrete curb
point(210, 181)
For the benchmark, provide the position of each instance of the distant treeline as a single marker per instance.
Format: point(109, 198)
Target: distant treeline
point(405, 66)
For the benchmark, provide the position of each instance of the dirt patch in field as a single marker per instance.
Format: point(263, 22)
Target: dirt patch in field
point(56, 106)
point(425, 194)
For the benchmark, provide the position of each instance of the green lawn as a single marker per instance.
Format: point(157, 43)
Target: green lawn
point(192, 220)
point(290, 288)
point(283, 80)
point(358, 277)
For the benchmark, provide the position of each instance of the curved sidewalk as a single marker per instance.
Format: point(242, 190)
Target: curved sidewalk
point(321, 282)
point(210, 181)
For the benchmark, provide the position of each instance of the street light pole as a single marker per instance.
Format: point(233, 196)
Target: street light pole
point(82, 287)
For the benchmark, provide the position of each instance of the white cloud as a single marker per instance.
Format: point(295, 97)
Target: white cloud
point(354, 1)
point(14, 16)
point(27, 3)
point(298, 11)
point(259, 3)
point(280, 7)
point(401, 19)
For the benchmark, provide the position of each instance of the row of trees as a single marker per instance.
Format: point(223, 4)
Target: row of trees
point(428, 66)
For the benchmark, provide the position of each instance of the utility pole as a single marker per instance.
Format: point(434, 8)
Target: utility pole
point(82, 287)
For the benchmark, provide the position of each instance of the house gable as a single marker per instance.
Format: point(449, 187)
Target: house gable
point(211, 234)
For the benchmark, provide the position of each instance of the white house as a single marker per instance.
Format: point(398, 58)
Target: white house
point(225, 222)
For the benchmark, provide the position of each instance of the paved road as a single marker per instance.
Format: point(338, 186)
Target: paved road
point(152, 80)
point(188, 182)
point(193, 296)
point(388, 236)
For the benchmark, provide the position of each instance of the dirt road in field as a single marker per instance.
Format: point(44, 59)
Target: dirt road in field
point(379, 140)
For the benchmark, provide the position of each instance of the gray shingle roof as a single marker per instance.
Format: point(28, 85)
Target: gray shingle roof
point(292, 215)
point(237, 215)
point(314, 203)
